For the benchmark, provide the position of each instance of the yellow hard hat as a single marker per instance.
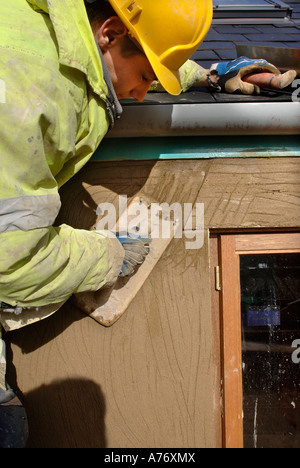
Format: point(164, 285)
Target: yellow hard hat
point(169, 31)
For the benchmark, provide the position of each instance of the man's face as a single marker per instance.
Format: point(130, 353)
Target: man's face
point(131, 74)
point(129, 69)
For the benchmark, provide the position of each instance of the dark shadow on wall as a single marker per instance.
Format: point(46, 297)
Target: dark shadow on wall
point(101, 181)
point(66, 414)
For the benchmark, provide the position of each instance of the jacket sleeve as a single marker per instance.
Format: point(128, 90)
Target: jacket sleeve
point(39, 134)
point(191, 74)
point(46, 266)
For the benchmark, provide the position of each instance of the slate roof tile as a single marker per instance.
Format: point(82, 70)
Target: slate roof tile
point(220, 43)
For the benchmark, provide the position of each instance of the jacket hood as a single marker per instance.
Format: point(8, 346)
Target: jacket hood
point(77, 45)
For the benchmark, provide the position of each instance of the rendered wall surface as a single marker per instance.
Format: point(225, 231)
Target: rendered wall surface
point(151, 380)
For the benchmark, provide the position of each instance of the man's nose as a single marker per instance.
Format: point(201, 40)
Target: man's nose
point(140, 93)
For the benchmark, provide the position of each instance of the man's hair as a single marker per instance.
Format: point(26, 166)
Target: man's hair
point(99, 11)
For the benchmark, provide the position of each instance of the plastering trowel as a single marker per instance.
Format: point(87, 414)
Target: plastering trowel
point(143, 217)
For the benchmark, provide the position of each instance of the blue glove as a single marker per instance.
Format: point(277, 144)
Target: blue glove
point(231, 75)
point(136, 250)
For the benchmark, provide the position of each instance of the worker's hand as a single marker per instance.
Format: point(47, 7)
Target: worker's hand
point(136, 250)
point(228, 76)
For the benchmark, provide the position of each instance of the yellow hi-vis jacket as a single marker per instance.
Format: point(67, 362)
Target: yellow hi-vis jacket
point(54, 112)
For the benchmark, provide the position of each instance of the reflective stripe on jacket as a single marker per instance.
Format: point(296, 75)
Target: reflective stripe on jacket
point(28, 212)
point(54, 105)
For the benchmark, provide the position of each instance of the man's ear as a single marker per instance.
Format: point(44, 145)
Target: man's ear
point(109, 32)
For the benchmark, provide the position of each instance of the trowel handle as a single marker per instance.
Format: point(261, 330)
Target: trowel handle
point(270, 80)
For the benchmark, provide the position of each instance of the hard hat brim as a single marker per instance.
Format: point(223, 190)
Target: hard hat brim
point(169, 79)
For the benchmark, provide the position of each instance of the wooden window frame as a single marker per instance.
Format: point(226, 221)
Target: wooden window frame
point(230, 248)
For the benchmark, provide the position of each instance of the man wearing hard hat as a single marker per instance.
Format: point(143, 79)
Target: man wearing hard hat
point(65, 64)
point(64, 67)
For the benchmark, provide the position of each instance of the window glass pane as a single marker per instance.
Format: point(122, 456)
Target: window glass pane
point(270, 290)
